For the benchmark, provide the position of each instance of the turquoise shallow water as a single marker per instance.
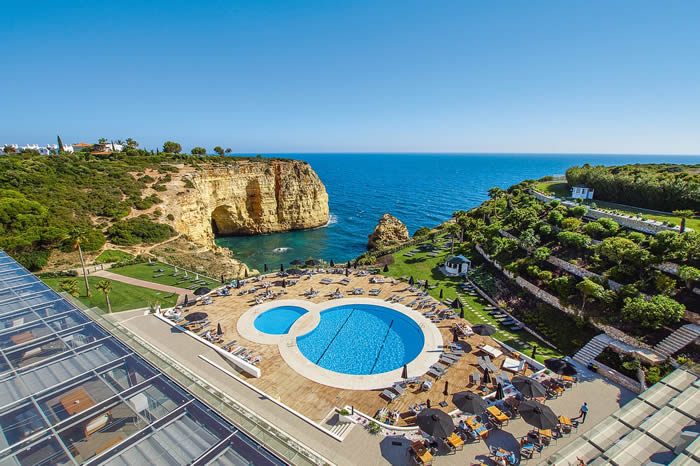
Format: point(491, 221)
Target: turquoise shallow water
point(362, 339)
point(419, 189)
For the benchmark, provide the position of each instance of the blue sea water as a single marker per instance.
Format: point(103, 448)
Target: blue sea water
point(419, 189)
point(362, 339)
point(279, 320)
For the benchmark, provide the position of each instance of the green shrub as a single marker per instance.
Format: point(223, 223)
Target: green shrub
point(170, 217)
point(112, 255)
point(139, 230)
point(571, 224)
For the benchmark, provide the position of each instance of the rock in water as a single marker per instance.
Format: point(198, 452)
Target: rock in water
point(389, 231)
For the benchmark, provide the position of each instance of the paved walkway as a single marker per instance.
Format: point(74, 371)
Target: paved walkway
point(359, 447)
point(142, 283)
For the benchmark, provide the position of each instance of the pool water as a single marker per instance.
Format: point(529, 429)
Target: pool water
point(362, 339)
point(279, 320)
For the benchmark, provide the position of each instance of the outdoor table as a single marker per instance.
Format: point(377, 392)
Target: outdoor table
point(22, 337)
point(567, 378)
point(565, 421)
point(77, 401)
point(497, 413)
point(421, 452)
point(546, 432)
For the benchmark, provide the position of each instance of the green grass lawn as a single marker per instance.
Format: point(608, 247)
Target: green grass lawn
point(146, 272)
point(423, 267)
point(123, 296)
point(555, 188)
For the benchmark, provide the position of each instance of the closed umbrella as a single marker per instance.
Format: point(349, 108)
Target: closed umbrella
point(264, 267)
point(386, 268)
point(218, 329)
point(284, 283)
point(202, 290)
point(447, 386)
point(487, 377)
point(499, 391)
point(436, 423)
point(469, 402)
point(411, 281)
point(332, 263)
point(196, 316)
point(534, 351)
point(187, 299)
point(404, 373)
point(530, 388)
point(440, 293)
point(246, 273)
point(175, 269)
point(560, 366)
point(427, 403)
point(455, 303)
point(538, 415)
point(484, 329)
point(347, 272)
point(281, 267)
point(222, 278)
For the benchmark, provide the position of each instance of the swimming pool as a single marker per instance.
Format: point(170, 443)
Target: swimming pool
point(279, 320)
point(362, 339)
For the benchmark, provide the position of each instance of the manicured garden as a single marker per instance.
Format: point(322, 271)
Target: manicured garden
point(423, 267)
point(122, 297)
point(151, 273)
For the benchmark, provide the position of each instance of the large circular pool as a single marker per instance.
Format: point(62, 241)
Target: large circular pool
point(362, 339)
point(279, 320)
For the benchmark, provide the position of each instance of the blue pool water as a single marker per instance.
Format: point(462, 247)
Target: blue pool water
point(362, 339)
point(279, 320)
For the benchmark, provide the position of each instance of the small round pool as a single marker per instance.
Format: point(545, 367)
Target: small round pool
point(279, 320)
point(362, 339)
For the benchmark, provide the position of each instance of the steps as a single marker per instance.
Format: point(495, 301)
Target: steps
point(341, 428)
point(592, 349)
point(677, 340)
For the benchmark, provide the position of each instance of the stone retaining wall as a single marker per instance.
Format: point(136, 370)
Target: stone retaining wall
point(617, 377)
point(581, 272)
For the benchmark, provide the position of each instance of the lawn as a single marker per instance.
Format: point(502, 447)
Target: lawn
point(555, 188)
point(123, 296)
point(147, 271)
point(112, 255)
point(423, 267)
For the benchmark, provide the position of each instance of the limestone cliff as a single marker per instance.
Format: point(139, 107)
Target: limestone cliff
point(390, 230)
point(245, 198)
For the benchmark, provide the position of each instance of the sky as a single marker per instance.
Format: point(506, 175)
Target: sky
point(595, 76)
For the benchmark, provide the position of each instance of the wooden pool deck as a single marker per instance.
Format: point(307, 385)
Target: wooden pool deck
point(315, 400)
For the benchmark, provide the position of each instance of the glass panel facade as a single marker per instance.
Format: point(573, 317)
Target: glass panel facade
point(71, 392)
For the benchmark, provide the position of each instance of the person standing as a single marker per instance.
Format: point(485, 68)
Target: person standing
point(583, 412)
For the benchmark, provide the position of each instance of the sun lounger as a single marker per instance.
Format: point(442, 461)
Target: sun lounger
point(491, 351)
point(389, 394)
point(452, 356)
point(513, 365)
point(489, 364)
point(413, 380)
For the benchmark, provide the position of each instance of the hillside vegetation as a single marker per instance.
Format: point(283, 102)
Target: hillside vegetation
point(664, 187)
point(49, 202)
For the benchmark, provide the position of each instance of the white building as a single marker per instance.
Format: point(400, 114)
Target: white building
point(457, 265)
point(582, 192)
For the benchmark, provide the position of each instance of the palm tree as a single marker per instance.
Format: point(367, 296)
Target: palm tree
point(105, 286)
point(70, 287)
point(77, 236)
point(494, 194)
point(453, 229)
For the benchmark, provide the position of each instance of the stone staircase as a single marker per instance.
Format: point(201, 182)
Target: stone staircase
point(677, 340)
point(341, 428)
point(592, 349)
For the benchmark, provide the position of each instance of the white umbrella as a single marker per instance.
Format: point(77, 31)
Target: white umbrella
point(185, 273)
point(196, 276)
point(175, 269)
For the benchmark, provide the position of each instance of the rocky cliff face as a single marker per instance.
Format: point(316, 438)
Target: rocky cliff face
point(390, 230)
point(245, 198)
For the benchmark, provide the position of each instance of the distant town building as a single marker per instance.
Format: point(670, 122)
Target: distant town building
point(81, 146)
point(582, 192)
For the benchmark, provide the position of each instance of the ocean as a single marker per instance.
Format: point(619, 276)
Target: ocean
point(418, 189)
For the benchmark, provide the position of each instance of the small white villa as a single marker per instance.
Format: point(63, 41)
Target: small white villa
point(582, 192)
point(457, 265)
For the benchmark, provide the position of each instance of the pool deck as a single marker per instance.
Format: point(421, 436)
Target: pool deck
point(286, 344)
point(314, 399)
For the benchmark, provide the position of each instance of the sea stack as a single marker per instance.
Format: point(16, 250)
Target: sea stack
point(389, 231)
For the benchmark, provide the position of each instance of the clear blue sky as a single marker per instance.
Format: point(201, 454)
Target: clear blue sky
point(420, 76)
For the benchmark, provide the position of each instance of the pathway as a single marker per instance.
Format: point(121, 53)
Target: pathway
point(141, 283)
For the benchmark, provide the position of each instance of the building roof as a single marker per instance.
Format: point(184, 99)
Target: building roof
point(581, 186)
point(103, 152)
point(82, 144)
point(458, 260)
point(648, 428)
point(71, 392)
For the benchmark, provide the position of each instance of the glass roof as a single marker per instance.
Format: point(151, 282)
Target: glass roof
point(71, 393)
